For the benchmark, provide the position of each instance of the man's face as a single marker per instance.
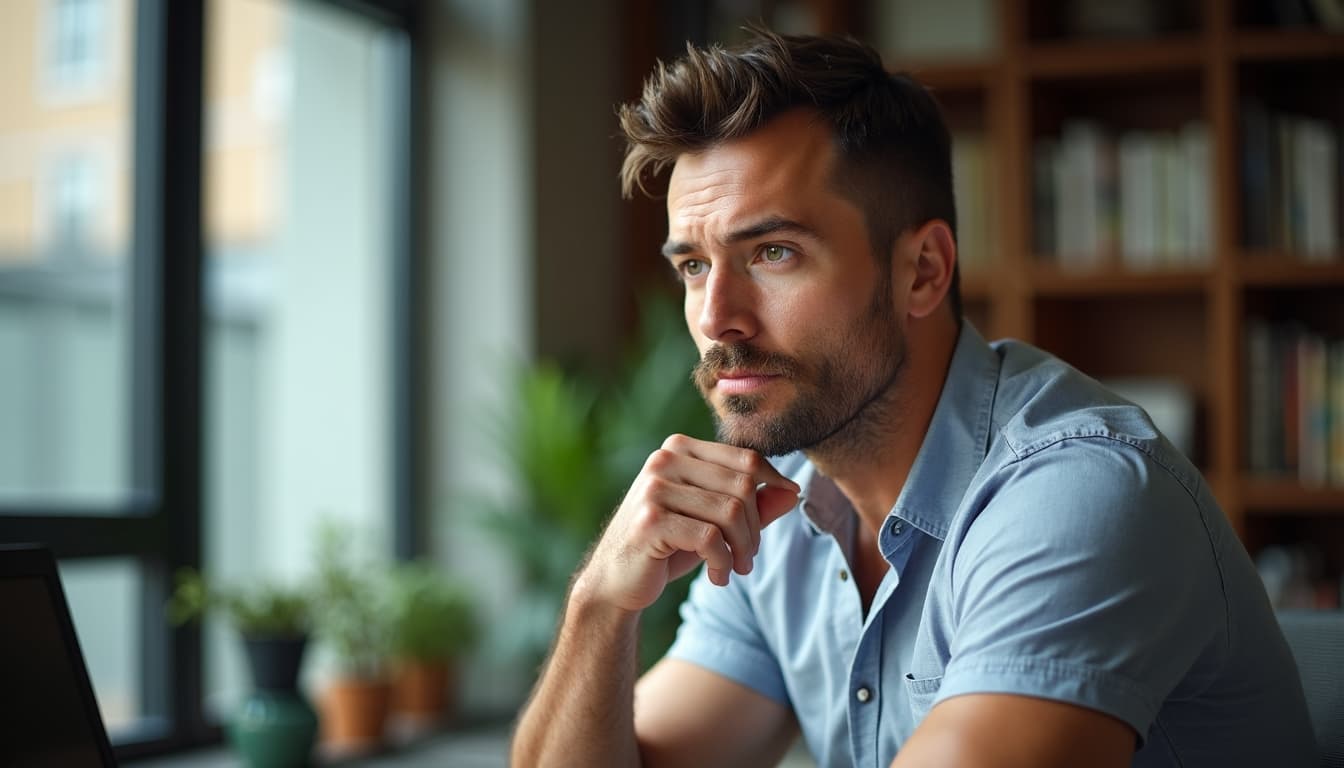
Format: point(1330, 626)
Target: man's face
point(796, 323)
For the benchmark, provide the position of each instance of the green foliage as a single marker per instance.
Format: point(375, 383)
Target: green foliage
point(352, 615)
point(432, 616)
point(576, 444)
point(264, 610)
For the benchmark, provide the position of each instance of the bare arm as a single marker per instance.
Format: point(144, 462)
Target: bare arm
point(1010, 731)
point(687, 715)
point(694, 501)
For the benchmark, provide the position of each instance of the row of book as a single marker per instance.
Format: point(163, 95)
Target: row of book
point(1139, 197)
point(1295, 402)
point(1291, 175)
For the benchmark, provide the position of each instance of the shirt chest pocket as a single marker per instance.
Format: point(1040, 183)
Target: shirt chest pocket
point(921, 691)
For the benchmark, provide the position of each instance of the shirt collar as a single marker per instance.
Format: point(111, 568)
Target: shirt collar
point(953, 449)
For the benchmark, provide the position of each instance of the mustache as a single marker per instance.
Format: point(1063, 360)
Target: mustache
point(728, 357)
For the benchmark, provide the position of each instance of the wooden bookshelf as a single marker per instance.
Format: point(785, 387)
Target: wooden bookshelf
point(1080, 60)
point(1185, 322)
point(1205, 62)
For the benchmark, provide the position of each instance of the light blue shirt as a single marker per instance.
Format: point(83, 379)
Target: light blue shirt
point(1048, 542)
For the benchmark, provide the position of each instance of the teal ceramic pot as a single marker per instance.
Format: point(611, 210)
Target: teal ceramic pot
point(275, 726)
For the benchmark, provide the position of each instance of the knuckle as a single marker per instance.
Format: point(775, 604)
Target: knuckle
point(675, 442)
point(707, 538)
point(744, 485)
point(736, 510)
point(751, 462)
point(655, 486)
point(646, 518)
point(659, 460)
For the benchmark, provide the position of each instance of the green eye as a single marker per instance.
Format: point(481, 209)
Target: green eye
point(692, 267)
point(775, 253)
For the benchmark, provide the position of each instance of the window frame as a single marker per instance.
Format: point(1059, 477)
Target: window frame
point(159, 525)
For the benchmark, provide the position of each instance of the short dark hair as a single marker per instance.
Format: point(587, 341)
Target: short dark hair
point(895, 158)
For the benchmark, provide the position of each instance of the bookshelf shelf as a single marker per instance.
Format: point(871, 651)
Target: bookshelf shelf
point(1287, 45)
point(1091, 59)
point(951, 75)
point(1281, 496)
point(1055, 282)
point(1278, 269)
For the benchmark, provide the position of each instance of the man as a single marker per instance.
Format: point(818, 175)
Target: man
point(968, 554)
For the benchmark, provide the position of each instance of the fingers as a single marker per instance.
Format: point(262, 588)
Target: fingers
point(712, 493)
point(721, 485)
point(671, 533)
point(741, 460)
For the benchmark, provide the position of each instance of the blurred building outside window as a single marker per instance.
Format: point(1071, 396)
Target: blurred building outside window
point(299, 109)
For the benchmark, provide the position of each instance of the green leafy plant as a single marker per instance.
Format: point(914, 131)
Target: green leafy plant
point(432, 617)
point(576, 441)
point(263, 610)
point(351, 613)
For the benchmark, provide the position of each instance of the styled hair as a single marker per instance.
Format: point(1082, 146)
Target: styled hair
point(894, 151)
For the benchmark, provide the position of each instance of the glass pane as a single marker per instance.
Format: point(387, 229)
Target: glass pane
point(105, 601)
point(299, 107)
point(65, 234)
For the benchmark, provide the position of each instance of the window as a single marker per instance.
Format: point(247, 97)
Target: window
point(78, 42)
point(299, 328)
point(68, 289)
point(204, 316)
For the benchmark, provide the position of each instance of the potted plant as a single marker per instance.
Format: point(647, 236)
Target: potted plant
point(275, 726)
point(433, 624)
point(351, 619)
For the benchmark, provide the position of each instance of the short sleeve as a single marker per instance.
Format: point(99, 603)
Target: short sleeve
point(719, 631)
point(1087, 577)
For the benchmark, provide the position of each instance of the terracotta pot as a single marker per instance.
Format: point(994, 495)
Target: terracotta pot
point(354, 712)
point(425, 690)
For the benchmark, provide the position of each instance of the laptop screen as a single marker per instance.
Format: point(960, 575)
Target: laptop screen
point(48, 716)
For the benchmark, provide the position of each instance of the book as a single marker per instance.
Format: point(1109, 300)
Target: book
point(969, 185)
point(1335, 411)
point(1256, 172)
point(1312, 430)
point(1140, 203)
point(1260, 369)
point(1195, 146)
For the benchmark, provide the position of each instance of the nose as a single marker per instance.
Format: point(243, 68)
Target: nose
point(726, 311)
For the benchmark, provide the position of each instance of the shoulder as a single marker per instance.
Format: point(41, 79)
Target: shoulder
point(1045, 406)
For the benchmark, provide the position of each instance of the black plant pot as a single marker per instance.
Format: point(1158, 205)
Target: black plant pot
point(275, 660)
point(275, 726)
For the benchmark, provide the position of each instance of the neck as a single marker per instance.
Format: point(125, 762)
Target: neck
point(871, 458)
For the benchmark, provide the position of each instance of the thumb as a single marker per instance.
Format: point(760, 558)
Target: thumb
point(772, 503)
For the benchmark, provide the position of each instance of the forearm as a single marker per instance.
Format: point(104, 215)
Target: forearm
point(582, 710)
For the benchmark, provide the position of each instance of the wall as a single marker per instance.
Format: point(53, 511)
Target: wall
point(523, 246)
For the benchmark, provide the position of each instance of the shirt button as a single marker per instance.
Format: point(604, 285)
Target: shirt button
point(896, 528)
point(844, 575)
point(863, 695)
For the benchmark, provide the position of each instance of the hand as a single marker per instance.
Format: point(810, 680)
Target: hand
point(693, 501)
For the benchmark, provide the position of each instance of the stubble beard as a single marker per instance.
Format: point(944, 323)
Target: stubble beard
point(845, 403)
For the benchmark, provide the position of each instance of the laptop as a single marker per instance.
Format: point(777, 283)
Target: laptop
point(48, 714)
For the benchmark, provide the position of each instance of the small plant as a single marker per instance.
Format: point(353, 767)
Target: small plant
point(432, 617)
point(264, 610)
point(351, 612)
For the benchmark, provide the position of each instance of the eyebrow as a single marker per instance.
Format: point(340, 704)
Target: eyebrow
point(770, 225)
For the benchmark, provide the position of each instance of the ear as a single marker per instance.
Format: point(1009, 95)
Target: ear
point(934, 260)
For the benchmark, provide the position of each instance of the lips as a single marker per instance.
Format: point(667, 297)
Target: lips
point(741, 382)
point(740, 368)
